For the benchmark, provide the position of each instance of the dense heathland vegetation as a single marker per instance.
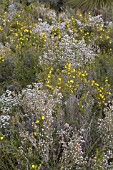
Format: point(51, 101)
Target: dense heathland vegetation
point(56, 86)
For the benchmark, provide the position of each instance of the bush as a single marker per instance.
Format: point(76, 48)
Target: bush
point(63, 119)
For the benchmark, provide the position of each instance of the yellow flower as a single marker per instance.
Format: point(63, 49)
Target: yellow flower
point(49, 76)
point(80, 15)
point(59, 79)
point(96, 84)
point(99, 103)
point(72, 18)
point(37, 121)
point(43, 35)
point(73, 70)
point(100, 90)
point(30, 31)
point(67, 25)
point(26, 30)
point(43, 117)
point(71, 81)
point(101, 96)
point(83, 75)
point(49, 86)
point(106, 80)
point(1, 28)
point(1, 137)
point(107, 37)
point(35, 134)
point(33, 166)
point(59, 36)
point(93, 82)
point(16, 34)
point(108, 92)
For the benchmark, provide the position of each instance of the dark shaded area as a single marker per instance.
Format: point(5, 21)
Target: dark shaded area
point(57, 5)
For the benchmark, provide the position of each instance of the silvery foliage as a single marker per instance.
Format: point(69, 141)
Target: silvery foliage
point(12, 10)
point(77, 51)
point(8, 100)
point(69, 151)
point(56, 138)
point(72, 155)
point(85, 53)
point(106, 130)
point(106, 126)
point(68, 49)
point(104, 134)
point(93, 20)
point(47, 13)
point(4, 48)
point(43, 27)
point(110, 24)
point(46, 27)
point(37, 99)
point(40, 103)
point(1, 48)
point(61, 52)
point(4, 121)
point(99, 161)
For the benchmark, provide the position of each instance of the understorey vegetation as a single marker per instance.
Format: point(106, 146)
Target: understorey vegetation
point(56, 86)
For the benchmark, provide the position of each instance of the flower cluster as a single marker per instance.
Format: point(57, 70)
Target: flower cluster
point(4, 121)
point(72, 155)
point(7, 101)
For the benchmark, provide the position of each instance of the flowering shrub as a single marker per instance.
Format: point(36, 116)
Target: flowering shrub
point(22, 34)
point(63, 119)
point(38, 120)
